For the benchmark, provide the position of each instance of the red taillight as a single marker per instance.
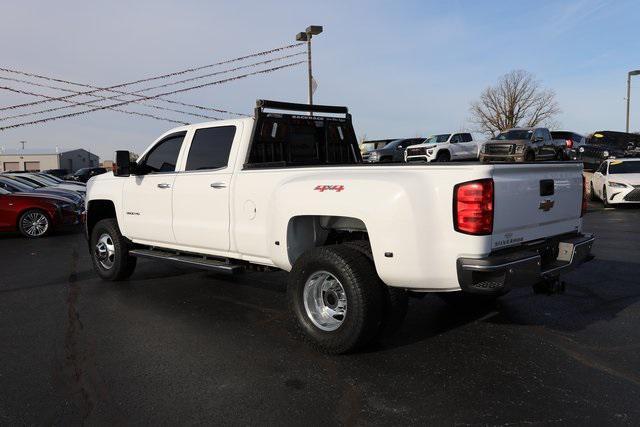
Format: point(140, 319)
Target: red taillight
point(584, 197)
point(473, 207)
point(569, 143)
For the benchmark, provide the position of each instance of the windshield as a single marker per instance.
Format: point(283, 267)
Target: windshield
point(514, 134)
point(81, 171)
point(19, 185)
point(43, 179)
point(28, 181)
point(620, 166)
point(435, 139)
point(51, 177)
point(3, 191)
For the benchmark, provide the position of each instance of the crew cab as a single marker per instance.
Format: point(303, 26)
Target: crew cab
point(523, 145)
point(443, 148)
point(287, 190)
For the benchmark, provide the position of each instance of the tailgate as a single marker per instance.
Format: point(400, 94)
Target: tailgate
point(534, 201)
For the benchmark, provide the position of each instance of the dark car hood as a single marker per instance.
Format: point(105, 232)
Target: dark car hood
point(69, 194)
point(508, 141)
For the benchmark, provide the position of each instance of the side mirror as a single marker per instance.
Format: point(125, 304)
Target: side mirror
point(123, 164)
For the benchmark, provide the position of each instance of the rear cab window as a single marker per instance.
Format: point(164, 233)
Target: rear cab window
point(210, 148)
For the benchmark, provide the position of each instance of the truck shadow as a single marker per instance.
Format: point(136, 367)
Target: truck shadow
point(597, 292)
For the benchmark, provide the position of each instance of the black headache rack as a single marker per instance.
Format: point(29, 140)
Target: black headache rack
point(288, 139)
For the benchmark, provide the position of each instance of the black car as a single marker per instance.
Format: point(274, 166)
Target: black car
point(84, 174)
point(604, 145)
point(392, 152)
point(16, 185)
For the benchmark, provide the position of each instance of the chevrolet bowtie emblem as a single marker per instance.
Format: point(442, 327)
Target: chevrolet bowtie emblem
point(546, 205)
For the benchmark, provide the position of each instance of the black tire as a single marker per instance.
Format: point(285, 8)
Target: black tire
point(592, 193)
point(605, 200)
point(529, 156)
point(443, 156)
point(468, 301)
point(120, 265)
point(32, 223)
point(363, 291)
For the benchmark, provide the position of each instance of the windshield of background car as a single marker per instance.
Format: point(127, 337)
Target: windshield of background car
point(43, 180)
point(393, 143)
point(434, 139)
point(52, 178)
point(620, 166)
point(3, 191)
point(514, 135)
point(19, 185)
point(28, 181)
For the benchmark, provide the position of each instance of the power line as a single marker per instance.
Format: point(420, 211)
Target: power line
point(136, 93)
point(48, 119)
point(78, 104)
point(163, 76)
point(24, 92)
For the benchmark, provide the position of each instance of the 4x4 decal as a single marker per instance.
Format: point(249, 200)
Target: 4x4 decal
point(336, 188)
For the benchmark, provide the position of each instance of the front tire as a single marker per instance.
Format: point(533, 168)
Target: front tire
point(336, 298)
point(605, 200)
point(34, 224)
point(110, 251)
point(592, 193)
point(443, 156)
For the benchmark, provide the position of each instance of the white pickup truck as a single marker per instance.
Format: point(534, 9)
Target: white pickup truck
point(289, 191)
point(444, 148)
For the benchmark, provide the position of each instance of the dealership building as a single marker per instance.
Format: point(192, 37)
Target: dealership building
point(39, 160)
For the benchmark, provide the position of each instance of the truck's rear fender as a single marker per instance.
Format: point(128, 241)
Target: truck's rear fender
point(406, 215)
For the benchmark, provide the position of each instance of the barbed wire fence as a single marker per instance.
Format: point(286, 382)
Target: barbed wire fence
point(140, 97)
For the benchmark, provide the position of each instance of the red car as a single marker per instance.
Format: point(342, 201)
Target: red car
point(35, 215)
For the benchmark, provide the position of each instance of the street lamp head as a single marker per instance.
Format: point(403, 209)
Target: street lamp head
point(634, 72)
point(314, 29)
point(302, 37)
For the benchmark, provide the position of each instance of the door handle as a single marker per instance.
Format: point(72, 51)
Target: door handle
point(218, 185)
point(163, 185)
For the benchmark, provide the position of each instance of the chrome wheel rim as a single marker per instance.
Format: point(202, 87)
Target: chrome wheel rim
point(105, 251)
point(35, 224)
point(325, 301)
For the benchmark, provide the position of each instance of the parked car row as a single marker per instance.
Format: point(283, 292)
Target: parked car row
point(36, 203)
point(513, 145)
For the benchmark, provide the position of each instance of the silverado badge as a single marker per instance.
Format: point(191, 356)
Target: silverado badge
point(546, 205)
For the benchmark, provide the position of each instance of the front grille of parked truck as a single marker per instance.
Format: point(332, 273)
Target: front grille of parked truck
point(499, 149)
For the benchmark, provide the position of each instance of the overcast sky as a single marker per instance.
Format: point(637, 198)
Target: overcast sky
point(403, 68)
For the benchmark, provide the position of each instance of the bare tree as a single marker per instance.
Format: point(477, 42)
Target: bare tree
point(516, 100)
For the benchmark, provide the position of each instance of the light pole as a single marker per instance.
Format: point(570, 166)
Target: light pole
point(306, 36)
point(631, 73)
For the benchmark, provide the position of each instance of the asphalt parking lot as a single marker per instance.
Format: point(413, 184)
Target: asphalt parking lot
point(174, 345)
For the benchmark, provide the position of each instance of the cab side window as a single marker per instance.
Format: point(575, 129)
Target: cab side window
point(210, 148)
point(164, 155)
point(455, 138)
point(466, 137)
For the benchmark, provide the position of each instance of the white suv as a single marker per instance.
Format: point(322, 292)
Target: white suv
point(443, 148)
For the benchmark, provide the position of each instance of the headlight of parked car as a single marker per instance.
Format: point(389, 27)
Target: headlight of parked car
point(605, 153)
point(373, 155)
point(617, 184)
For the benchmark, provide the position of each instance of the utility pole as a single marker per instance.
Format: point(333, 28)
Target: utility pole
point(312, 30)
point(631, 73)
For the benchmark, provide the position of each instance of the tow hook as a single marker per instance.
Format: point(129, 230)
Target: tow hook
point(549, 286)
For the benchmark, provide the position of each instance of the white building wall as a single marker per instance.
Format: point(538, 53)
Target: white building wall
point(45, 161)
